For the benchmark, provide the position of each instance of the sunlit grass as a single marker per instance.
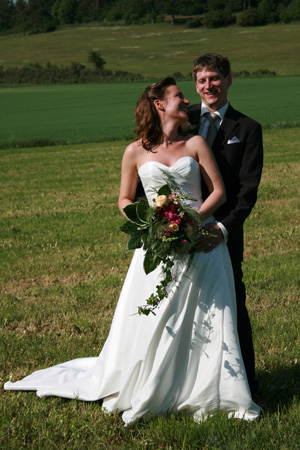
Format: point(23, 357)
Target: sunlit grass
point(63, 262)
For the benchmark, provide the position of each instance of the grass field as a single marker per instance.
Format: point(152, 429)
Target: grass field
point(63, 259)
point(92, 113)
point(159, 49)
point(63, 262)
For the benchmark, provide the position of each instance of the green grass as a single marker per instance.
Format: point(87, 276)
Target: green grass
point(160, 49)
point(91, 113)
point(63, 262)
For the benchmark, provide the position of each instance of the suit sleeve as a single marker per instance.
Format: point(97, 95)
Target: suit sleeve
point(240, 204)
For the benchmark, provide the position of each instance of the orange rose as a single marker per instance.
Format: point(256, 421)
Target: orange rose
point(161, 200)
point(173, 227)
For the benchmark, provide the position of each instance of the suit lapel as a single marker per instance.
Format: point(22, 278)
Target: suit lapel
point(228, 124)
point(194, 114)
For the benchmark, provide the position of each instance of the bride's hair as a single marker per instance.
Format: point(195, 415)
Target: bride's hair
point(149, 129)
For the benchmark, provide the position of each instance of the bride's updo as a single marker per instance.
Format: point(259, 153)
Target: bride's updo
point(149, 129)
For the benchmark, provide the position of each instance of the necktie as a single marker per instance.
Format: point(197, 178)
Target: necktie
point(212, 128)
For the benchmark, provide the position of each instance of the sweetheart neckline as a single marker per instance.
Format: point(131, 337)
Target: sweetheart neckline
point(168, 167)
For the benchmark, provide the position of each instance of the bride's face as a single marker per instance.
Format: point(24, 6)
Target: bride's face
point(175, 104)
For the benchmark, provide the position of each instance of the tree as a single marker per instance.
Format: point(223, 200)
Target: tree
point(268, 10)
point(290, 12)
point(65, 11)
point(213, 5)
point(6, 14)
point(38, 16)
point(250, 18)
point(68, 11)
point(172, 7)
point(86, 10)
point(20, 15)
point(219, 18)
point(96, 58)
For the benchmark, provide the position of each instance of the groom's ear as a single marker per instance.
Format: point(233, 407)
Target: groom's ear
point(229, 80)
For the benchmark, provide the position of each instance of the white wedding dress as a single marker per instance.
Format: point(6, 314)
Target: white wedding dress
point(185, 358)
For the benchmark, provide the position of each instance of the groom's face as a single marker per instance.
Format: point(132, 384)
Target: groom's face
point(212, 87)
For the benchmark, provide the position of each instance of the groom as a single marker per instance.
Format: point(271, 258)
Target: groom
point(236, 141)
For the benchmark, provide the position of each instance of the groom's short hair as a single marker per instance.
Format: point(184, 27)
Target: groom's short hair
point(211, 61)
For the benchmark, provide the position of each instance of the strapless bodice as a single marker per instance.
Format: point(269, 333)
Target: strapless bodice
point(186, 173)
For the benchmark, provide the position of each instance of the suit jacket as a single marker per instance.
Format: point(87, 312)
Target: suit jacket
point(240, 165)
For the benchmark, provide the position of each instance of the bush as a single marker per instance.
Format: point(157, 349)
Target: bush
point(257, 74)
point(96, 59)
point(251, 17)
point(52, 74)
point(219, 18)
point(194, 23)
point(114, 15)
point(178, 76)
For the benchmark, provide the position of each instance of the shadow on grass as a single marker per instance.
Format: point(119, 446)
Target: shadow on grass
point(280, 386)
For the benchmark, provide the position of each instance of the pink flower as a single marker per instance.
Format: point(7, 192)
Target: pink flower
point(173, 217)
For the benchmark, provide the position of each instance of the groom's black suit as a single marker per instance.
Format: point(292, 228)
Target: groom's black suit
point(240, 164)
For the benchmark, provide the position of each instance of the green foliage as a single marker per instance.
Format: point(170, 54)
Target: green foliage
point(150, 228)
point(38, 16)
point(194, 23)
point(213, 5)
point(251, 17)
point(96, 58)
point(268, 10)
point(258, 73)
point(6, 14)
point(64, 11)
point(291, 12)
point(75, 73)
point(218, 18)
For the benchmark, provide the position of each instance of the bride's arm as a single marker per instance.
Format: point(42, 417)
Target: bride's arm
point(212, 178)
point(129, 177)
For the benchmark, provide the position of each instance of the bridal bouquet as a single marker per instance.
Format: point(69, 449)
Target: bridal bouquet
point(167, 230)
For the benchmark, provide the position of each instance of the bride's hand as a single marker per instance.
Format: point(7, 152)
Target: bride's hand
point(207, 243)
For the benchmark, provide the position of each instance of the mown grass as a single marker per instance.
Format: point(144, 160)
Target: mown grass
point(36, 115)
point(159, 49)
point(63, 262)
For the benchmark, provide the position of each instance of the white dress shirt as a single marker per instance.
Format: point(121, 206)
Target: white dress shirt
point(204, 124)
point(204, 121)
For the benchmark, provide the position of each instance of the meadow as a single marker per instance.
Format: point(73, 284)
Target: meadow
point(63, 262)
point(39, 115)
point(155, 50)
point(63, 259)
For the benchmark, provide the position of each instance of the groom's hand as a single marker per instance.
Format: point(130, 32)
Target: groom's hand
point(208, 243)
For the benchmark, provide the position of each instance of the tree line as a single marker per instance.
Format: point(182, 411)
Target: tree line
point(39, 16)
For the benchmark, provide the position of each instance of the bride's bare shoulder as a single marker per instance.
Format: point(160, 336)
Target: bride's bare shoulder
point(197, 147)
point(133, 153)
point(195, 139)
point(132, 150)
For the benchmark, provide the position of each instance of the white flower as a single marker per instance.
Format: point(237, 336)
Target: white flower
point(161, 200)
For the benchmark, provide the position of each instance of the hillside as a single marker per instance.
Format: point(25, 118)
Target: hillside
point(159, 49)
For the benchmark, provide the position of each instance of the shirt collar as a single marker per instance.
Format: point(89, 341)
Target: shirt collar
point(221, 112)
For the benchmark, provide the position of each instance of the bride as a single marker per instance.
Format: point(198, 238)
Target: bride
point(187, 357)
